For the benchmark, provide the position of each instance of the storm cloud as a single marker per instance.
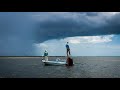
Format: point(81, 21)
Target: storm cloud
point(77, 24)
point(19, 31)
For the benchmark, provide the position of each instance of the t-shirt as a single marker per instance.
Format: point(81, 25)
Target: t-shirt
point(67, 46)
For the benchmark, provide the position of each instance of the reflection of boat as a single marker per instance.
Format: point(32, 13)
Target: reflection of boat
point(55, 62)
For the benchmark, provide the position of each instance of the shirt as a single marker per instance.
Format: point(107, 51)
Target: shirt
point(67, 46)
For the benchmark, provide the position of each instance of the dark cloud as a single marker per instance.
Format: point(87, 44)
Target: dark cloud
point(68, 27)
point(60, 29)
point(112, 26)
point(91, 13)
point(18, 31)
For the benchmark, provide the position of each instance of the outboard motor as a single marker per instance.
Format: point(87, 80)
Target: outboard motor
point(69, 61)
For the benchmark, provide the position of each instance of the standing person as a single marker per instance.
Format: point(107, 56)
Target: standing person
point(46, 55)
point(69, 60)
point(68, 49)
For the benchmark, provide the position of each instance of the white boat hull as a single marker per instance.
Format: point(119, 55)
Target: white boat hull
point(54, 62)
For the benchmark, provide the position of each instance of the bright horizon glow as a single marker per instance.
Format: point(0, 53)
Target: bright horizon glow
point(80, 46)
point(89, 39)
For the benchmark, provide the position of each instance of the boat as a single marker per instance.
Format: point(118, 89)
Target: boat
point(54, 62)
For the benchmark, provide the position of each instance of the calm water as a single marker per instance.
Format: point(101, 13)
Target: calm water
point(84, 67)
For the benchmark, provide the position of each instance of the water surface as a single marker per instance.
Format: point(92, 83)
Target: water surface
point(84, 67)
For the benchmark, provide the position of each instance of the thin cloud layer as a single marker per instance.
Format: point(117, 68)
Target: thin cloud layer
point(89, 39)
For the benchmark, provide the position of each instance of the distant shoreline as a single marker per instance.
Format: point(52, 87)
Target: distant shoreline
point(31, 56)
point(27, 56)
point(60, 56)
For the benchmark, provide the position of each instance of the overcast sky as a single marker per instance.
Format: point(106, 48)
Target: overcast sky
point(88, 33)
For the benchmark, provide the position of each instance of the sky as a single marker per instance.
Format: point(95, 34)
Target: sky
point(31, 33)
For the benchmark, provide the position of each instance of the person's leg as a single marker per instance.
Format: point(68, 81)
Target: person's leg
point(67, 52)
point(46, 58)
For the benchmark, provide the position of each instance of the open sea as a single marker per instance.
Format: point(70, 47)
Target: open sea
point(84, 67)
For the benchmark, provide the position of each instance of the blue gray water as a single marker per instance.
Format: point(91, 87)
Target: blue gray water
point(84, 67)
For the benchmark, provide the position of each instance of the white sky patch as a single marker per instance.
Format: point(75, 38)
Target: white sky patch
point(109, 13)
point(89, 39)
point(74, 41)
point(116, 47)
point(41, 45)
point(54, 47)
point(40, 48)
point(77, 45)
